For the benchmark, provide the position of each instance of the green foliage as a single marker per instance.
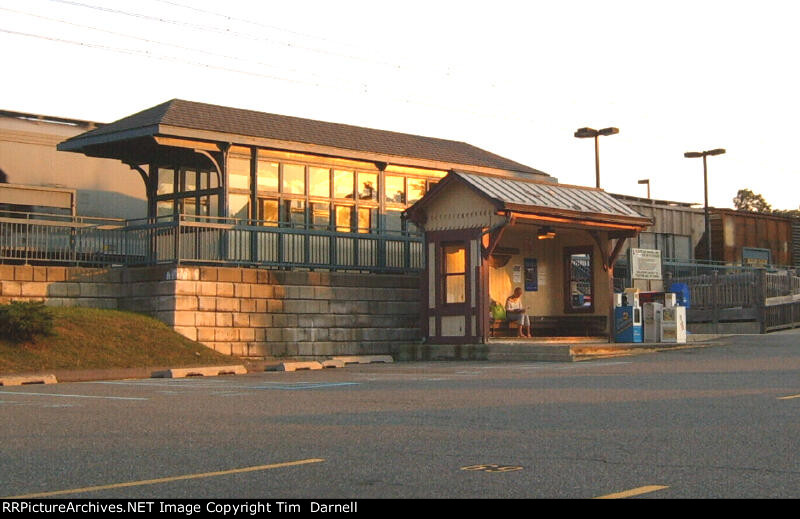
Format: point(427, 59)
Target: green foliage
point(22, 321)
point(746, 200)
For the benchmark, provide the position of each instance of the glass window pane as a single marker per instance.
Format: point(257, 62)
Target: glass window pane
point(344, 218)
point(295, 212)
point(268, 212)
point(239, 206)
point(239, 172)
point(580, 285)
point(188, 206)
point(366, 219)
point(166, 181)
point(267, 175)
point(189, 180)
point(213, 205)
point(455, 289)
point(213, 180)
point(454, 259)
point(367, 186)
point(202, 209)
point(294, 179)
point(342, 184)
point(392, 221)
point(416, 189)
point(320, 215)
point(319, 182)
point(165, 208)
point(395, 189)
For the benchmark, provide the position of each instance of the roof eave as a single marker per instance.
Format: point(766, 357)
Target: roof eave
point(578, 215)
point(80, 142)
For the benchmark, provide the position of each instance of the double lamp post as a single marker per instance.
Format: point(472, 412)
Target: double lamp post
point(585, 133)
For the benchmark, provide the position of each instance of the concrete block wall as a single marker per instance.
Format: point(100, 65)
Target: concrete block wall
point(240, 311)
point(252, 312)
point(61, 286)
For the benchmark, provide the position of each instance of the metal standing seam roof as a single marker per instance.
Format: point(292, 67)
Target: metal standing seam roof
point(546, 195)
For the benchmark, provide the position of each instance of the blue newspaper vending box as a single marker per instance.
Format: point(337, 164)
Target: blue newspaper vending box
point(628, 324)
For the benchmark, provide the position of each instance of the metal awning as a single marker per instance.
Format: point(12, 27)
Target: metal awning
point(542, 201)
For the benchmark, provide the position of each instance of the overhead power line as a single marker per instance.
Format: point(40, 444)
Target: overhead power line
point(227, 32)
point(329, 85)
point(173, 45)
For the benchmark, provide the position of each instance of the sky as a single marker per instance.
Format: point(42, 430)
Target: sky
point(516, 78)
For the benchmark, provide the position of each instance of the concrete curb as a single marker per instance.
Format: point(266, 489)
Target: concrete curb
point(331, 363)
point(296, 366)
point(22, 380)
point(365, 359)
point(207, 371)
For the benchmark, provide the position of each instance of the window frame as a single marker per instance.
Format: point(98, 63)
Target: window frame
point(444, 274)
point(567, 279)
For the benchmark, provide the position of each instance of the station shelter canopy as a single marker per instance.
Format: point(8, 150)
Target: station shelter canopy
point(473, 217)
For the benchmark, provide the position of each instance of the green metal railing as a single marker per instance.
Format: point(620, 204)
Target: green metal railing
point(204, 240)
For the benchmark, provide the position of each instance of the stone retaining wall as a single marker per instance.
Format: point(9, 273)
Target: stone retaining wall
point(240, 311)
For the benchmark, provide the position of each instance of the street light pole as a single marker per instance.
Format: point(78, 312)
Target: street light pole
point(704, 154)
point(584, 133)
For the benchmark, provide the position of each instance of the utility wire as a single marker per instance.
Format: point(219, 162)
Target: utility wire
point(226, 32)
point(395, 67)
point(174, 45)
point(251, 22)
point(148, 54)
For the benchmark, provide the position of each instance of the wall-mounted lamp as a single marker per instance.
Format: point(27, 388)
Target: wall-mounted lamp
point(546, 233)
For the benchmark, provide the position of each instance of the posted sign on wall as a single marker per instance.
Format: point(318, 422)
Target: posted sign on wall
point(645, 264)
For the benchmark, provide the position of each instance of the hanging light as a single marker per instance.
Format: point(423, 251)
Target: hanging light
point(546, 233)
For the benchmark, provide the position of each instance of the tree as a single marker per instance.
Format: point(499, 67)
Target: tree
point(746, 200)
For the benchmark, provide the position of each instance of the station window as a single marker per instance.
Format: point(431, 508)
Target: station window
point(320, 215)
point(342, 184)
point(344, 218)
point(367, 219)
point(416, 189)
point(166, 181)
point(319, 182)
point(267, 175)
point(294, 179)
point(579, 280)
point(295, 211)
point(368, 186)
point(239, 172)
point(454, 272)
point(239, 206)
point(395, 189)
point(268, 212)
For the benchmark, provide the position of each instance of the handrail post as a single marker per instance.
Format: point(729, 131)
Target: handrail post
point(761, 296)
point(715, 299)
point(177, 243)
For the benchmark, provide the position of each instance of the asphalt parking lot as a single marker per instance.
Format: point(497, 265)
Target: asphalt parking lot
point(696, 423)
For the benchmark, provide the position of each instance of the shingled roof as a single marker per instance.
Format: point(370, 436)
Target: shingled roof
point(235, 121)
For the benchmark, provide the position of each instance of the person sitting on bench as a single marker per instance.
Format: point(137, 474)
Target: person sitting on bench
point(516, 312)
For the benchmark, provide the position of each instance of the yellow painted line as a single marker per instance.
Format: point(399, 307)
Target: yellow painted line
point(167, 480)
point(632, 492)
point(788, 397)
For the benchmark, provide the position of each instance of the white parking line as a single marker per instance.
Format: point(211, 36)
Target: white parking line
point(72, 396)
point(226, 387)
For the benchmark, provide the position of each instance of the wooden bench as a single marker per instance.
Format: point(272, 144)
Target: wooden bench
point(553, 326)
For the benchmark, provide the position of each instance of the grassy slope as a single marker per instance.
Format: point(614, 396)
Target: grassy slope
point(88, 338)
